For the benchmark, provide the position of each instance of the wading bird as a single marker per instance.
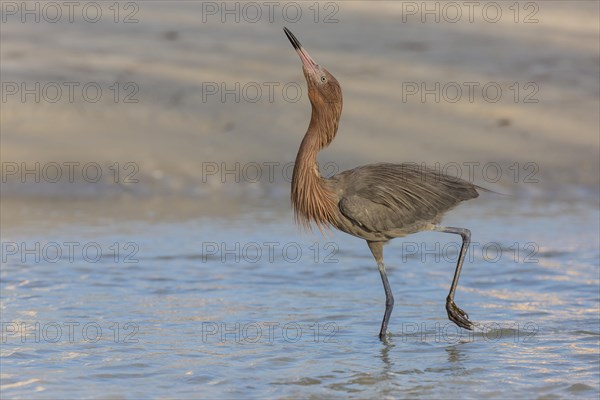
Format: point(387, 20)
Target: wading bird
point(375, 202)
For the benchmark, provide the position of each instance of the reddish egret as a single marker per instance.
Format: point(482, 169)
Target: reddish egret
point(375, 202)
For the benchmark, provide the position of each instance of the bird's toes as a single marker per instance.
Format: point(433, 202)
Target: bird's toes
point(458, 316)
point(462, 322)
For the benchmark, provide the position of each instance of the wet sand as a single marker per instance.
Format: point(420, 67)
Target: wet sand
point(177, 130)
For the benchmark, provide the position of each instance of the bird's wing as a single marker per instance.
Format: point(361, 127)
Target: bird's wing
point(382, 197)
point(370, 216)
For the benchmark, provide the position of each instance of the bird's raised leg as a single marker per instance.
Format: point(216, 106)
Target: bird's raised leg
point(377, 250)
point(455, 314)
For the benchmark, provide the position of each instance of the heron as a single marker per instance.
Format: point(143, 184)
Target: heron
point(375, 202)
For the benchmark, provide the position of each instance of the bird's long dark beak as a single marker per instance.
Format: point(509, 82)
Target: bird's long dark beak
point(307, 60)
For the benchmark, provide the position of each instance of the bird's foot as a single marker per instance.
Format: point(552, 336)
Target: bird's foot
point(458, 316)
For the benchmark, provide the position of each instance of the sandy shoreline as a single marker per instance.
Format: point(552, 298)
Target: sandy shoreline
point(178, 131)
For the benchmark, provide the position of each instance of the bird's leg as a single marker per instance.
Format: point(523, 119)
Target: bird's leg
point(377, 250)
point(455, 314)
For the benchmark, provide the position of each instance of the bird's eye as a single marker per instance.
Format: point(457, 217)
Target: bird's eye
point(323, 79)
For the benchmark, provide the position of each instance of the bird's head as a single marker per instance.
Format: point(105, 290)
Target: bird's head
point(324, 91)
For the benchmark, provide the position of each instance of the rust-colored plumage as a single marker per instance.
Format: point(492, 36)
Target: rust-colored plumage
point(313, 202)
point(375, 202)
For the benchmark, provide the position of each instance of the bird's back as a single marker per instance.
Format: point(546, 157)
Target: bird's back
point(382, 201)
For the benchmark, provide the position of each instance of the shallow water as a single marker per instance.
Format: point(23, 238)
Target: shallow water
point(249, 306)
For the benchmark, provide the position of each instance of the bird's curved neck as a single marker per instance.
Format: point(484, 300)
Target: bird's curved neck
point(313, 202)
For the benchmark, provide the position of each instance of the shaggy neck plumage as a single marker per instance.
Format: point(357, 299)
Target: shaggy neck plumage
point(312, 201)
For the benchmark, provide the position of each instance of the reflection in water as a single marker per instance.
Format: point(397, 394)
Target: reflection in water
point(455, 355)
point(387, 345)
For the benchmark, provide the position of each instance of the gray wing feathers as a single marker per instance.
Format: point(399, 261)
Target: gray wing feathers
point(370, 216)
point(382, 197)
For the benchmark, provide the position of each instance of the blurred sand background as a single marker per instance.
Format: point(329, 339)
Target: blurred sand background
point(176, 49)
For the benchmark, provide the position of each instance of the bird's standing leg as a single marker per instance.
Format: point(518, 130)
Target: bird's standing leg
point(455, 314)
point(377, 250)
